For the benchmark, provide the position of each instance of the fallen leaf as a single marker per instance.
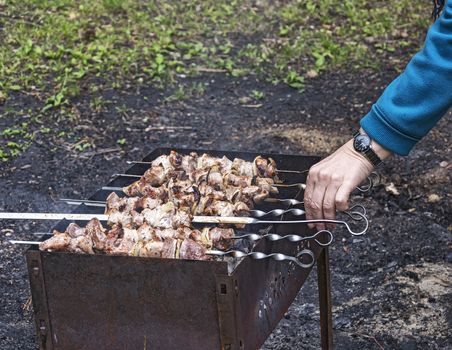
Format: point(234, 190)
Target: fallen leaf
point(433, 198)
point(72, 15)
point(312, 73)
point(245, 100)
point(444, 164)
point(392, 189)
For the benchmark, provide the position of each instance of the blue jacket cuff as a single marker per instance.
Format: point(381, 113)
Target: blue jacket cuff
point(379, 128)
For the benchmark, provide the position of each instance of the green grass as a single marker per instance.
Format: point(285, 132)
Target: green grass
point(52, 49)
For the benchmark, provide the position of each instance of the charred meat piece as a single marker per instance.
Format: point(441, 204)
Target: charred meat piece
point(150, 249)
point(75, 230)
point(97, 233)
point(143, 188)
point(238, 180)
point(242, 167)
point(191, 250)
point(166, 216)
point(169, 249)
point(156, 176)
point(266, 184)
point(81, 244)
point(224, 208)
point(218, 238)
point(264, 167)
point(64, 242)
point(58, 242)
point(162, 161)
point(114, 202)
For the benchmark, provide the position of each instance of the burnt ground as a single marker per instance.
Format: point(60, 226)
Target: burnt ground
point(391, 288)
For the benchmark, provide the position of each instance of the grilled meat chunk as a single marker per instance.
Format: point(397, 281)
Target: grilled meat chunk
point(191, 250)
point(58, 242)
point(218, 238)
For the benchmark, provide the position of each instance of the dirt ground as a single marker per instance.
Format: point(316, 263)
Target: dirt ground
point(391, 288)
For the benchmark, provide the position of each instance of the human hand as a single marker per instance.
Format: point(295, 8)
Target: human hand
point(331, 181)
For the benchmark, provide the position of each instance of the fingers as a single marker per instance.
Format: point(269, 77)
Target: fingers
point(343, 195)
point(314, 196)
point(310, 185)
point(329, 201)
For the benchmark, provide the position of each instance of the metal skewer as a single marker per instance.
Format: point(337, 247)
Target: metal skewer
point(284, 201)
point(298, 259)
point(292, 238)
point(277, 170)
point(364, 188)
point(24, 242)
point(299, 185)
point(276, 212)
point(254, 213)
point(90, 203)
point(52, 216)
point(356, 216)
point(275, 256)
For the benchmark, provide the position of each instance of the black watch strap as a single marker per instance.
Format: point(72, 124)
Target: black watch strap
point(373, 157)
point(369, 153)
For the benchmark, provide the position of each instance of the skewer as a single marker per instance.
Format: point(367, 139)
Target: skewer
point(364, 188)
point(277, 170)
point(139, 176)
point(292, 238)
point(275, 256)
point(24, 242)
point(90, 203)
point(253, 212)
point(52, 216)
point(239, 254)
point(356, 216)
point(254, 237)
point(285, 201)
point(299, 185)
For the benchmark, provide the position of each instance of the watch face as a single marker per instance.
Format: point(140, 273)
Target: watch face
point(361, 143)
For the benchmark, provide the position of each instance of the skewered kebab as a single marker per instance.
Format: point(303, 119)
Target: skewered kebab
point(216, 172)
point(260, 166)
point(211, 178)
point(232, 203)
point(144, 240)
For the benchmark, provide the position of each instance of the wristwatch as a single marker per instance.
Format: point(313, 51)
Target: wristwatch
point(362, 144)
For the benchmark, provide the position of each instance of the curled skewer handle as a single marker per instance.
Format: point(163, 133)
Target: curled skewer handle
point(357, 208)
point(370, 182)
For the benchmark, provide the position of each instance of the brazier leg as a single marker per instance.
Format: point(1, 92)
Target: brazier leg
point(326, 320)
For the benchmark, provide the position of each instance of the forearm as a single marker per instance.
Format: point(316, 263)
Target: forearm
point(413, 103)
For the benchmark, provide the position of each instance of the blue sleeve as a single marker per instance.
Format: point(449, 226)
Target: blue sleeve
point(414, 102)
